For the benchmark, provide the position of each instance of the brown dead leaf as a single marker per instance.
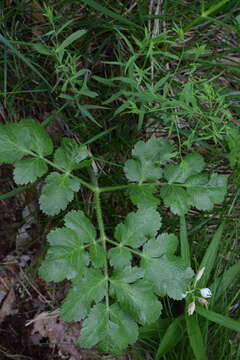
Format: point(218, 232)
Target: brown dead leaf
point(7, 306)
point(59, 333)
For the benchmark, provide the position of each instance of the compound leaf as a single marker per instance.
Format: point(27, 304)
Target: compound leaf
point(142, 195)
point(70, 154)
point(109, 328)
point(78, 221)
point(57, 193)
point(148, 156)
point(66, 256)
point(86, 289)
point(119, 256)
point(138, 227)
point(28, 170)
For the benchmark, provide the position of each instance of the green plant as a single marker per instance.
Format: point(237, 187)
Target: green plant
point(117, 279)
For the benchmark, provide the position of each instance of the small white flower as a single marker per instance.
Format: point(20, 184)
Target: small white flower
point(205, 293)
point(191, 308)
point(199, 274)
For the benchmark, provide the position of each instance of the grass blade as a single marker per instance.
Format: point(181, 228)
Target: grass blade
point(109, 13)
point(185, 250)
point(23, 58)
point(195, 337)
point(222, 283)
point(13, 192)
point(210, 255)
point(219, 319)
point(171, 337)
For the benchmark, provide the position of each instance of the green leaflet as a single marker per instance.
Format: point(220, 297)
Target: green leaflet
point(70, 154)
point(23, 138)
point(201, 191)
point(143, 196)
point(163, 244)
point(169, 275)
point(119, 256)
point(191, 164)
point(176, 198)
point(14, 142)
point(138, 227)
point(136, 299)
point(77, 221)
point(166, 272)
point(97, 255)
point(40, 143)
point(57, 193)
point(27, 171)
point(147, 160)
point(66, 257)
point(110, 329)
point(86, 289)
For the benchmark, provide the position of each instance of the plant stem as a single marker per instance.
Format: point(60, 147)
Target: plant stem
point(102, 236)
point(126, 247)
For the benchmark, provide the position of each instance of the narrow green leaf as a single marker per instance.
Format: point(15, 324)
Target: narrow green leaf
point(195, 337)
point(171, 337)
point(185, 250)
point(70, 39)
point(28, 170)
point(107, 12)
point(8, 44)
point(43, 49)
point(222, 283)
point(219, 319)
point(57, 193)
point(210, 255)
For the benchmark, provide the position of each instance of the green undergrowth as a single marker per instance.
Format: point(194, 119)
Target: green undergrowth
point(108, 76)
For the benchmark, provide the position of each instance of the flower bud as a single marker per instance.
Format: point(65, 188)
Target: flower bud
point(191, 308)
point(205, 293)
point(203, 302)
point(199, 274)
